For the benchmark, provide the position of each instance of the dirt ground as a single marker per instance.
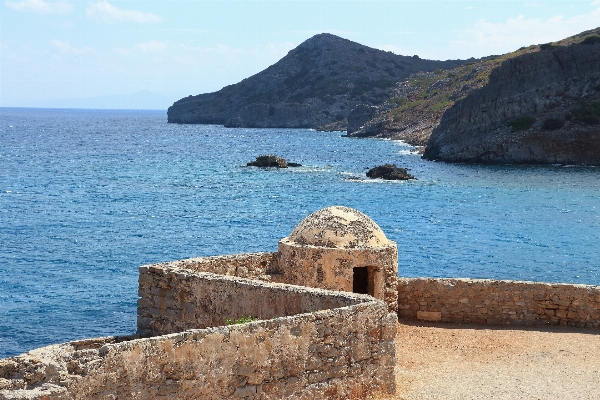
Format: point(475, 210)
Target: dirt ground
point(453, 361)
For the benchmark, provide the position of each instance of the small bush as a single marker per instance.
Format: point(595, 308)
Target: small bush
point(399, 101)
point(588, 113)
point(552, 124)
point(522, 123)
point(241, 320)
point(547, 46)
point(590, 119)
point(591, 39)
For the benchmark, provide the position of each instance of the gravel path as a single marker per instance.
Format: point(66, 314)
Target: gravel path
point(452, 361)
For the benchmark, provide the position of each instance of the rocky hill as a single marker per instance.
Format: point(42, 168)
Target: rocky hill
point(417, 104)
point(538, 107)
point(315, 85)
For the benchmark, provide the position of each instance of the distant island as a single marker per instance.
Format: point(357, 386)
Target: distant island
point(539, 104)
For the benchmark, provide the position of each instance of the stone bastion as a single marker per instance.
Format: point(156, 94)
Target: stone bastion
point(327, 309)
point(327, 303)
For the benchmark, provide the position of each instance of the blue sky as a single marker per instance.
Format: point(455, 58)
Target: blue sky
point(66, 49)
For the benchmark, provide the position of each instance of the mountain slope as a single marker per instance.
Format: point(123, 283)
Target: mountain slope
point(314, 85)
point(540, 107)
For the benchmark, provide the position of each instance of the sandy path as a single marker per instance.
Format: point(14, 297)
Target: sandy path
point(449, 361)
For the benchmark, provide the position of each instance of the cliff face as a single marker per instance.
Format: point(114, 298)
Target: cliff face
point(541, 107)
point(417, 104)
point(314, 85)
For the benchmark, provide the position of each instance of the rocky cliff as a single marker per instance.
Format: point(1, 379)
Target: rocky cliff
point(314, 86)
point(539, 107)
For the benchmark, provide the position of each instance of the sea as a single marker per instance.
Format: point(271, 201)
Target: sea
point(87, 196)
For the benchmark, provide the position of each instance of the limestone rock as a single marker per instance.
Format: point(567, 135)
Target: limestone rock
point(389, 172)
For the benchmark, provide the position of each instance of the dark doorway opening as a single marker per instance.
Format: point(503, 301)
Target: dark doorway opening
point(360, 282)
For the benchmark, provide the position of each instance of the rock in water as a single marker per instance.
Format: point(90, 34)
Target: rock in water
point(267, 161)
point(389, 172)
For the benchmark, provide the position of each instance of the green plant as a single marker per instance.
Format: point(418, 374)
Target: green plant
point(591, 39)
point(521, 123)
point(547, 46)
point(552, 124)
point(399, 101)
point(241, 320)
point(588, 112)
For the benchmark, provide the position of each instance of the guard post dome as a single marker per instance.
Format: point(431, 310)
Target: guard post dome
point(338, 227)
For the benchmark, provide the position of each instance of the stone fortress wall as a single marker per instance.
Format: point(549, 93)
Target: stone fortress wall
point(491, 302)
point(311, 342)
point(308, 343)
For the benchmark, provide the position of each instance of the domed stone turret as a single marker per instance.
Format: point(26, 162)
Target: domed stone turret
point(339, 248)
point(339, 227)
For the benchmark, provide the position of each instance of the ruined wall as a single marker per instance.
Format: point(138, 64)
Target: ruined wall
point(499, 302)
point(173, 300)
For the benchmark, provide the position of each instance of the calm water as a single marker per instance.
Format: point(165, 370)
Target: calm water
point(88, 196)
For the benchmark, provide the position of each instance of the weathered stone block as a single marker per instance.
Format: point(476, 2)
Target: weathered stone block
point(429, 316)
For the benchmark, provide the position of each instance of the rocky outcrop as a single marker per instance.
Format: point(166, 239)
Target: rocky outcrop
point(271, 161)
point(389, 172)
point(359, 115)
point(542, 107)
point(315, 85)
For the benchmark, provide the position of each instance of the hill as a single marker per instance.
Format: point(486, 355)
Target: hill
point(418, 104)
point(315, 85)
point(538, 107)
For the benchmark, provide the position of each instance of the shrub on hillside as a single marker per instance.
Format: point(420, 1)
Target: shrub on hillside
point(591, 39)
point(547, 46)
point(522, 123)
point(552, 124)
point(588, 113)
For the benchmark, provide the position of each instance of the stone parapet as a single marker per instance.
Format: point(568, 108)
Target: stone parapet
point(245, 265)
point(499, 302)
point(309, 343)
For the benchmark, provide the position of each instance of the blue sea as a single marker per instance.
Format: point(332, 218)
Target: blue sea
point(87, 196)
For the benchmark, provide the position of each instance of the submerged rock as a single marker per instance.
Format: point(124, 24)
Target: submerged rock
point(389, 172)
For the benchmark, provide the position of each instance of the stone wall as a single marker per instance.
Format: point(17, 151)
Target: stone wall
point(499, 302)
point(334, 346)
point(173, 300)
point(246, 265)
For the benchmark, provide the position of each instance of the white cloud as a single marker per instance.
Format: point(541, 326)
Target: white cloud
point(151, 46)
point(66, 48)
point(596, 3)
point(103, 11)
point(41, 6)
point(487, 38)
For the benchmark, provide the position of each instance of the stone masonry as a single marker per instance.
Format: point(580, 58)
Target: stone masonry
point(492, 302)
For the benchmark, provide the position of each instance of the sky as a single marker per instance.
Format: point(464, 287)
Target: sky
point(148, 54)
